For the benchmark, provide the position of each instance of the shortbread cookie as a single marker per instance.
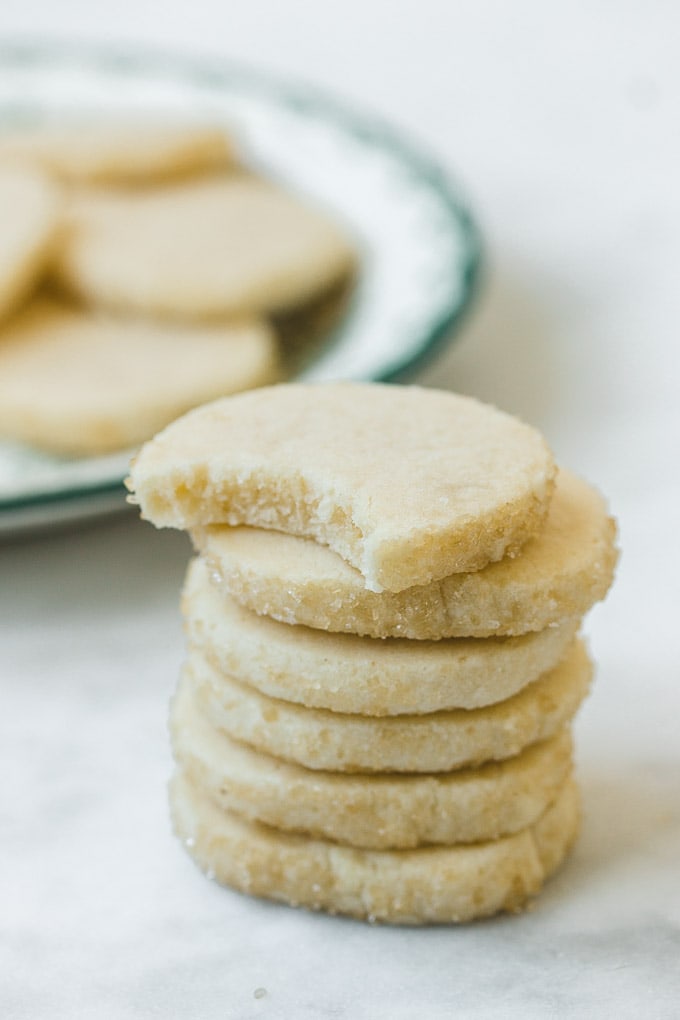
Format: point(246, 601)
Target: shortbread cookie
point(432, 884)
point(108, 151)
point(77, 382)
point(437, 742)
point(30, 207)
point(560, 572)
point(362, 675)
point(379, 812)
point(210, 247)
point(407, 484)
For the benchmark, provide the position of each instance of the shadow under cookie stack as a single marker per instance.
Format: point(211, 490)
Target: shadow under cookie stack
point(374, 715)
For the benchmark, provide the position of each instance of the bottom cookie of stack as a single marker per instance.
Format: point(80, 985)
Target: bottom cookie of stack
point(432, 884)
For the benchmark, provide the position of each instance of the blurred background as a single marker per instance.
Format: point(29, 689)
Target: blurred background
point(559, 122)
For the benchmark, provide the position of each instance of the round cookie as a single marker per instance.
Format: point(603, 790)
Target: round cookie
point(378, 812)
point(108, 151)
point(407, 484)
point(361, 675)
point(30, 206)
point(424, 885)
point(78, 382)
point(215, 246)
point(560, 572)
point(437, 742)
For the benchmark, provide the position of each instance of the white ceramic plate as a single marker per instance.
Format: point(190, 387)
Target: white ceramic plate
point(419, 247)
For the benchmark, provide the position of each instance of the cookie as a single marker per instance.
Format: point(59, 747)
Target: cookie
point(408, 485)
point(560, 572)
point(379, 812)
point(78, 382)
point(424, 885)
point(437, 742)
point(362, 675)
point(218, 246)
point(108, 151)
point(30, 207)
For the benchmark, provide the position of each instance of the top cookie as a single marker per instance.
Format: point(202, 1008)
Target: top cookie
point(118, 152)
point(406, 484)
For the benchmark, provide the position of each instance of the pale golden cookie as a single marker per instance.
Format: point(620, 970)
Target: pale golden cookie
point(108, 151)
point(559, 573)
point(379, 812)
point(363, 675)
point(407, 484)
point(424, 885)
point(210, 247)
point(438, 742)
point(78, 382)
point(30, 206)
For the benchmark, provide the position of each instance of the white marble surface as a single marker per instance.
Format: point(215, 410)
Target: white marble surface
point(562, 122)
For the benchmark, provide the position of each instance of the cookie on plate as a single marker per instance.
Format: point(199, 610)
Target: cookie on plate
point(210, 247)
point(122, 152)
point(79, 382)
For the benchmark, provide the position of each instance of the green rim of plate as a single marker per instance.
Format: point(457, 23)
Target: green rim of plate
point(218, 74)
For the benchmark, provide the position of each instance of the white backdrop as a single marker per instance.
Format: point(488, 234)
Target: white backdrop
point(562, 123)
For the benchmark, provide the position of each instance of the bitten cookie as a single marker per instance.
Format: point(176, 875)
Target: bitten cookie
point(79, 382)
point(362, 675)
point(406, 484)
point(30, 206)
point(216, 246)
point(378, 812)
point(561, 571)
point(437, 742)
point(425, 885)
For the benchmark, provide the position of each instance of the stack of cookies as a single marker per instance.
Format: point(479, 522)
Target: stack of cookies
point(374, 715)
